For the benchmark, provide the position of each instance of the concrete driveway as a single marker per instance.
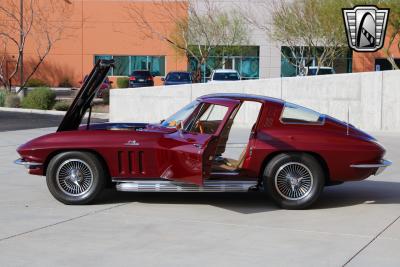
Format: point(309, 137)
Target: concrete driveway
point(11, 121)
point(355, 223)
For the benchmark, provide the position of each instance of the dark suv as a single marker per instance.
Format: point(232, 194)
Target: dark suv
point(141, 78)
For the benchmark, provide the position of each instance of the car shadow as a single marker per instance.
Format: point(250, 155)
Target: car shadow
point(368, 192)
point(348, 194)
point(246, 203)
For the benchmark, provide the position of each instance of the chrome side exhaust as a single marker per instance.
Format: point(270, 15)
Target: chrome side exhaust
point(173, 186)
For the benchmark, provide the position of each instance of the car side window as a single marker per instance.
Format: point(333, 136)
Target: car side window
point(208, 119)
point(296, 114)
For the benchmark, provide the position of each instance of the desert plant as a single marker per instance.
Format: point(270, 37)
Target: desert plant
point(40, 98)
point(62, 105)
point(2, 98)
point(12, 101)
point(36, 83)
point(106, 96)
point(65, 82)
point(122, 82)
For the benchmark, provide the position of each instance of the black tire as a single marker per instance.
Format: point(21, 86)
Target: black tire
point(294, 180)
point(80, 166)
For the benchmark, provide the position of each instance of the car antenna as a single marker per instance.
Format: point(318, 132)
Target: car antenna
point(90, 115)
point(348, 119)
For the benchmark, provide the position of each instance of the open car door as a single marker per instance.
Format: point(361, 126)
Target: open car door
point(195, 144)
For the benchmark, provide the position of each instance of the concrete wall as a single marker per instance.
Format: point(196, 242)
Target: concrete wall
point(373, 97)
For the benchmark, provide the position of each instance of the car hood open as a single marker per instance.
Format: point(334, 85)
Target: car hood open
point(85, 96)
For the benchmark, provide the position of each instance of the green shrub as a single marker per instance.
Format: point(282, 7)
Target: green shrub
point(106, 96)
point(2, 98)
point(40, 98)
point(62, 105)
point(12, 101)
point(65, 83)
point(122, 82)
point(36, 83)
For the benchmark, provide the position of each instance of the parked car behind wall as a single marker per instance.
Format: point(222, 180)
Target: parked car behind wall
point(220, 75)
point(312, 71)
point(177, 77)
point(141, 78)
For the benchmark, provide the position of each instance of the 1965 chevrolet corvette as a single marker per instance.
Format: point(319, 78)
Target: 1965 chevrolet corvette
point(214, 144)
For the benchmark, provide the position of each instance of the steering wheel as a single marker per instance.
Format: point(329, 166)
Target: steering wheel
point(200, 126)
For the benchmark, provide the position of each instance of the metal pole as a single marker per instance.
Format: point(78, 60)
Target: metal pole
point(204, 72)
point(21, 36)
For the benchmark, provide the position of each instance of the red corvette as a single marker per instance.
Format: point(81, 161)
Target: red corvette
point(217, 143)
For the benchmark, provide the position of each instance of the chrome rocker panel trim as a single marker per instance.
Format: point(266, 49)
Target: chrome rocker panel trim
point(172, 186)
point(380, 166)
point(28, 164)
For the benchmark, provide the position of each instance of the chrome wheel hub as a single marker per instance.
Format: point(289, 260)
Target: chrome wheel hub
point(74, 177)
point(293, 181)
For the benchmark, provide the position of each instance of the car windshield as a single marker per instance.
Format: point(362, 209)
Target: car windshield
point(325, 71)
point(181, 115)
point(225, 76)
point(178, 76)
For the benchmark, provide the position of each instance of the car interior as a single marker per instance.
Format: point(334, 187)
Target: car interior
point(234, 139)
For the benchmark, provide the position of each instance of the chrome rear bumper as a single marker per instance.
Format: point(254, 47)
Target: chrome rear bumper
point(27, 164)
point(381, 166)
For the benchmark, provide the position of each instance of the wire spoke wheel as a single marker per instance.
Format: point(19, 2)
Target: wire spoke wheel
point(74, 177)
point(294, 181)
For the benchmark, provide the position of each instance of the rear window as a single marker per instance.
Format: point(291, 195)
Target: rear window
point(293, 113)
point(178, 76)
point(325, 71)
point(313, 71)
point(141, 73)
point(226, 76)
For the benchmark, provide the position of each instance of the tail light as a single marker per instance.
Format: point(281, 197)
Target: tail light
point(132, 78)
point(150, 78)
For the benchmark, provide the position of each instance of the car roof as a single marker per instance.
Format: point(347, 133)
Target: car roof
point(179, 72)
point(225, 70)
point(240, 96)
point(315, 67)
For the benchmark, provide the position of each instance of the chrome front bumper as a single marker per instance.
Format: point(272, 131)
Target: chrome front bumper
point(381, 166)
point(27, 164)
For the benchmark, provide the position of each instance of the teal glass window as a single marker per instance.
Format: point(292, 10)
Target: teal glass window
point(156, 65)
point(138, 63)
point(249, 68)
point(125, 65)
point(97, 57)
point(121, 66)
point(244, 59)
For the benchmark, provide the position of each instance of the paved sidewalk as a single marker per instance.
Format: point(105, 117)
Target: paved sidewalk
point(356, 223)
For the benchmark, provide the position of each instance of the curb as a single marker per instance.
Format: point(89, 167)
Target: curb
point(104, 116)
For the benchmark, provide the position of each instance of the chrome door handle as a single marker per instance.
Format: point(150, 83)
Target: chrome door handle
point(197, 145)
